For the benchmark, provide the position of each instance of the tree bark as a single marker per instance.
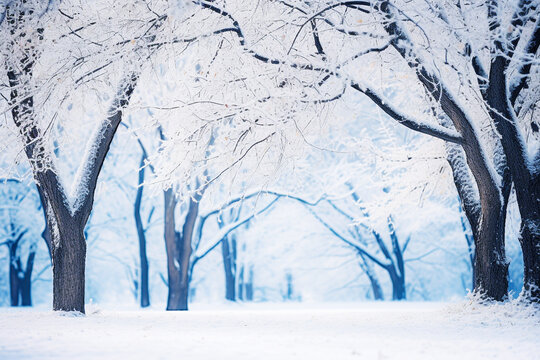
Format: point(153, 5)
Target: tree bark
point(249, 285)
point(69, 260)
point(397, 269)
point(470, 246)
point(171, 246)
point(178, 246)
point(398, 284)
point(20, 278)
point(228, 252)
point(26, 281)
point(525, 177)
point(376, 288)
point(14, 282)
point(46, 233)
point(488, 237)
point(525, 172)
point(143, 258)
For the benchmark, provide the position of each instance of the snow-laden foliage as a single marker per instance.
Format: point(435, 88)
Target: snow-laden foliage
point(381, 126)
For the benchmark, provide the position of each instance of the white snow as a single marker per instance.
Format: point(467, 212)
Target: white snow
point(391, 330)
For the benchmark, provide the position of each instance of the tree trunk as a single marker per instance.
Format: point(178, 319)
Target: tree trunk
point(26, 281)
point(145, 295)
point(290, 286)
point(398, 284)
point(241, 285)
point(376, 288)
point(491, 268)
point(46, 233)
point(245, 286)
point(173, 301)
point(26, 293)
point(249, 285)
point(14, 282)
point(530, 245)
point(143, 258)
point(398, 271)
point(178, 283)
point(178, 247)
point(69, 259)
point(20, 279)
point(228, 252)
point(470, 244)
point(487, 222)
point(524, 175)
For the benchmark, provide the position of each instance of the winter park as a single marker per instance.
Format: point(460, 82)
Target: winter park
point(270, 179)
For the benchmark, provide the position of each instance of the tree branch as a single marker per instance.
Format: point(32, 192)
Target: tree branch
point(97, 148)
point(520, 81)
point(228, 229)
point(439, 132)
point(357, 247)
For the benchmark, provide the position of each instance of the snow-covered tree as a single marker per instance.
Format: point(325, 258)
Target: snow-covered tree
point(459, 93)
point(61, 58)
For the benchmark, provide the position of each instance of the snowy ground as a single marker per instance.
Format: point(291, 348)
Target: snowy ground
point(297, 331)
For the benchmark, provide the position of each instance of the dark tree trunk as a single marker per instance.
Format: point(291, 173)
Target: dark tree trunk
point(178, 246)
point(26, 281)
point(397, 274)
point(525, 177)
point(20, 279)
point(14, 282)
point(178, 282)
point(530, 245)
point(470, 245)
point(398, 285)
point(46, 233)
point(145, 296)
point(228, 252)
point(491, 277)
point(69, 259)
point(174, 301)
point(491, 268)
point(26, 293)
